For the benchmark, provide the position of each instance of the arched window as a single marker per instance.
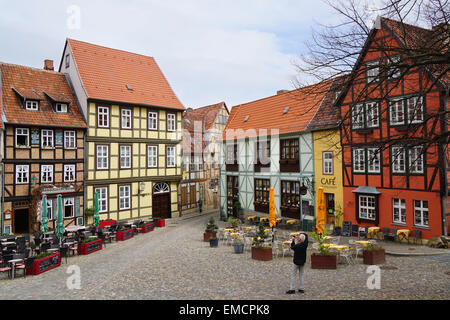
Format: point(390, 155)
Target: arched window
point(161, 187)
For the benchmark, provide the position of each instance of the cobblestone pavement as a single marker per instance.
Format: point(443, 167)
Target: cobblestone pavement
point(174, 263)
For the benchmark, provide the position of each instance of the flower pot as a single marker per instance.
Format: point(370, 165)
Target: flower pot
point(238, 248)
point(208, 235)
point(374, 256)
point(90, 247)
point(213, 242)
point(125, 235)
point(323, 262)
point(145, 228)
point(262, 254)
point(160, 223)
point(45, 264)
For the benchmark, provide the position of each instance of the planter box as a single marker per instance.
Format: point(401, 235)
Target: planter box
point(45, 264)
point(160, 223)
point(90, 247)
point(145, 228)
point(262, 254)
point(238, 248)
point(108, 223)
point(374, 257)
point(208, 235)
point(125, 235)
point(213, 243)
point(323, 262)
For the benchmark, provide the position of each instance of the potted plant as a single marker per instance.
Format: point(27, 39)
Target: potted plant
point(233, 222)
point(213, 242)
point(145, 227)
point(260, 249)
point(125, 234)
point(374, 254)
point(238, 245)
point(44, 262)
point(160, 222)
point(324, 259)
point(89, 245)
point(238, 208)
point(211, 230)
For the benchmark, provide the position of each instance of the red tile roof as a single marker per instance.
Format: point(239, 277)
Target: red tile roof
point(286, 112)
point(105, 74)
point(38, 84)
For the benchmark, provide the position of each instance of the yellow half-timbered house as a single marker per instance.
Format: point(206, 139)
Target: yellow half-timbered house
point(133, 143)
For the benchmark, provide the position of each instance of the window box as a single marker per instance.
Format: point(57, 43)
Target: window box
point(323, 262)
point(106, 223)
point(44, 264)
point(90, 247)
point(125, 235)
point(262, 254)
point(374, 256)
point(147, 227)
point(232, 167)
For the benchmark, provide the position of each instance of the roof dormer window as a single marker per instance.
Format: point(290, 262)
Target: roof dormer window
point(286, 110)
point(61, 107)
point(246, 118)
point(32, 105)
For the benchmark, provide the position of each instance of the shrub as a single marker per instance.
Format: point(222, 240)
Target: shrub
point(211, 226)
point(258, 239)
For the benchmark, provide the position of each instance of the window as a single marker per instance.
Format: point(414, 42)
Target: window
point(67, 60)
point(69, 173)
point(171, 122)
point(223, 119)
point(22, 174)
point(263, 152)
point(49, 209)
point(396, 112)
point(102, 199)
point(416, 159)
point(125, 157)
point(262, 187)
point(32, 105)
point(289, 149)
point(365, 115)
point(68, 208)
point(406, 110)
point(327, 162)
point(367, 209)
point(290, 194)
point(415, 109)
point(61, 107)
point(398, 160)
point(373, 71)
point(47, 138)
point(372, 114)
point(152, 120)
point(421, 213)
point(102, 157)
point(393, 68)
point(70, 141)
point(152, 153)
point(171, 157)
point(124, 197)
point(399, 211)
point(46, 173)
point(374, 161)
point(126, 118)
point(358, 116)
point(22, 137)
point(102, 117)
point(232, 154)
point(359, 161)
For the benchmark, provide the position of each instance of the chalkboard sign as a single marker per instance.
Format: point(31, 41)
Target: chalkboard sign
point(48, 263)
point(346, 228)
point(148, 227)
point(94, 246)
point(354, 230)
point(128, 234)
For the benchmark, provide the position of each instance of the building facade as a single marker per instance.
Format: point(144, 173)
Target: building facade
point(43, 147)
point(133, 143)
point(393, 176)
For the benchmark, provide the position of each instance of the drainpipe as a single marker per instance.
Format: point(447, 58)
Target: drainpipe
point(2, 213)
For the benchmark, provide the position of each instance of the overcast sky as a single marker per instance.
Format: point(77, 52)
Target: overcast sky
point(209, 50)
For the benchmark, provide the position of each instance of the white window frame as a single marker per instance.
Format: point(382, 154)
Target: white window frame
point(124, 197)
point(327, 162)
point(416, 159)
point(50, 209)
point(373, 74)
point(420, 209)
point(372, 114)
point(358, 116)
point(394, 71)
point(69, 202)
point(22, 174)
point(373, 163)
point(126, 114)
point(367, 208)
point(399, 211)
point(396, 112)
point(171, 122)
point(171, 156)
point(152, 160)
point(61, 107)
point(102, 157)
point(125, 157)
point(414, 114)
point(47, 138)
point(21, 132)
point(398, 160)
point(46, 173)
point(360, 154)
point(102, 199)
point(69, 170)
point(153, 120)
point(32, 105)
point(102, 117)
point(70, 139)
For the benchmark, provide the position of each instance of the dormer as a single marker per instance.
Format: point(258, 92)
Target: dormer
point(59, 102)
point(29, 99)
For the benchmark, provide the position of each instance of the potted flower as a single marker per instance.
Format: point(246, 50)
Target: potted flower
point(374, 254)
point(324, 259)
point(211, 230)
point(238, 245)
point(233, 222)
point(213, 242)
point(260, 249)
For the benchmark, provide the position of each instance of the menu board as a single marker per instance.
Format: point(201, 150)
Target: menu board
point(128, 234)
point(48, 263)
point(354, 230)
point(148, 227)
point(346, 228)
point(94, 246)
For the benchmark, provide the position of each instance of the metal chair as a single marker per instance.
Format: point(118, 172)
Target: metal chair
point(356, 247)
point(347, 255)
point(416, 236)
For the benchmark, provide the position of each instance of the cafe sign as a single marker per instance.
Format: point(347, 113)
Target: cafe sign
point(331, 182)
point(58, 190)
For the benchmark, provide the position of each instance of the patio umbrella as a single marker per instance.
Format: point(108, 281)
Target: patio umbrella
point(96, 215)
point(320, 211)
point(272, 217)
point(60, 224)
point(44, 214)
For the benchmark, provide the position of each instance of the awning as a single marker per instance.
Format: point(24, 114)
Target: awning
point(367, 190)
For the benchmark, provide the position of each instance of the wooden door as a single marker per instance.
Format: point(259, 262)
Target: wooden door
point(232, 195)
point(193, 193)
point(161, 201)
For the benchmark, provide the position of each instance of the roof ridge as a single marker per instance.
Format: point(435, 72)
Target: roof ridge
point(28, 67)
point(406, 24)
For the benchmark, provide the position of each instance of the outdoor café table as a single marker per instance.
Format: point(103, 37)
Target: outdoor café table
point(75, 228)
point(294, 233)
point(228, 230)
point(291, 222)
point(251, 218)
point(248, 229)
point(373, 230)
point(285, 243)
point(338, 247)
point(263, 219)
point(13, 265)
point(363, 242)
point(235, 234)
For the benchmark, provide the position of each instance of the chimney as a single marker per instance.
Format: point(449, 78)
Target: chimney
point(281, 91)
point(48, 65)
